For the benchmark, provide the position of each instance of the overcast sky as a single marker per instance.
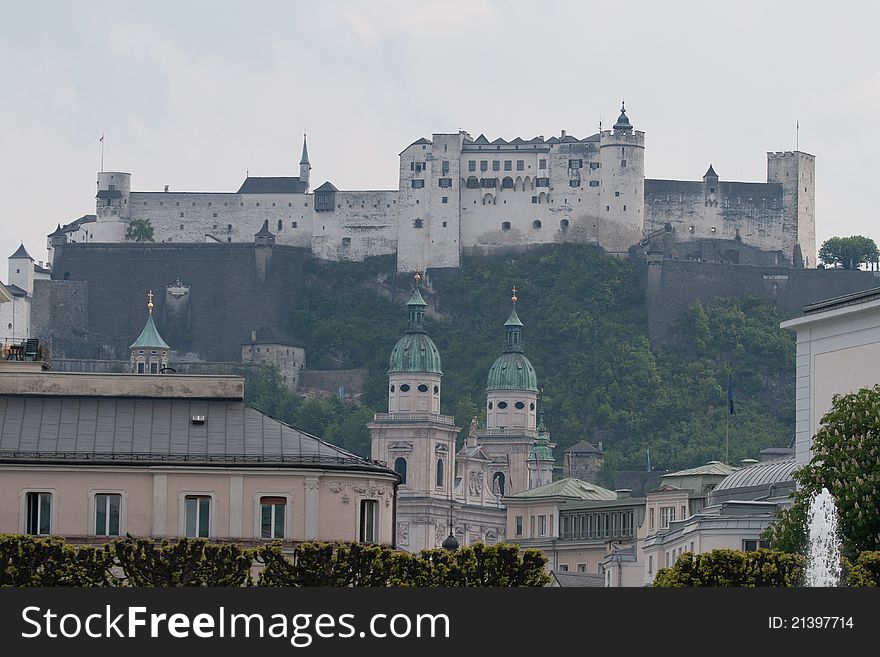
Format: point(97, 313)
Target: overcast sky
point(194, 94)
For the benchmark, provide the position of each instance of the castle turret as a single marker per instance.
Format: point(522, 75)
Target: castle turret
point(21, 270)
point(621, 218)
point(304, 166)
point(112, 209)
point(540, 460)
point(795, 171)
point(149, 353)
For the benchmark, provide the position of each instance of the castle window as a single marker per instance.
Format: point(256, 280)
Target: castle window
point(444, 199)
point(400, 468)
point(520, 405)
point(194, 205)
point(536, 224)
point(505, 226)
point(502, 405)
point(418, 184)
point(418, 223)
point(542, 163)
point(575, 164)
point(439, 473)
point(258, 204)
point(436, 390)
point(507, 183)
point(712, 190)
point(607, 208)
point(229, 239)
point(496, 165)
point(210, 204)
point(445, 167)
point(574, 182)
point(624, 208)
point(294, 225)
point(484, 165)
point(542, 182)
point(490, 406)
point(346, 242)
point(532, 406)
point(404, 387)
point(140, 368)
point(473, 182)
point(215, 226)
point(273, 205)
point(154, 368)
point(594, 183)
point(617, 193)
point(181, 226)
point(622, 163)
point(181, 215)
point(520, 165)
point(445, 182)
point(508, 166)
point(472, 165)
point(423, 387)
point(215, 216)
point(534, 199)
point(488, 183)
point(712, 229)
point(392, 387)
point(444, 224)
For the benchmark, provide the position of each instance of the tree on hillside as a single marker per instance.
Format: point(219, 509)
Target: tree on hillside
point(849, 252)
point(139, 230)
point(846, 461)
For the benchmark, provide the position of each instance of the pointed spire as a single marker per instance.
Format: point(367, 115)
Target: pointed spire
point(305, 153)
point(513, 341)
point(622, 120)
point(150, 337)
point(416, 305)
point(710, 173)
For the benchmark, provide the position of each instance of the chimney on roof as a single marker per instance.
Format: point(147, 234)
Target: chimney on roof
point(600, 445)
point(166, 188)
point(623, 493)
point(253, 336)
point(562, 136)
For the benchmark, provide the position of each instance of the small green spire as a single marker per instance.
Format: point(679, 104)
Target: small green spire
point(513, 342)
point(416, 305)
point(305, 153)
point(541, 444)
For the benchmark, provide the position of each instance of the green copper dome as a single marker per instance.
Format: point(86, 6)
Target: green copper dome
point(415, 351)
point(512, 370)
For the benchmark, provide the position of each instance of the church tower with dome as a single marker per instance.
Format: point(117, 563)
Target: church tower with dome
point(436, 499)
point(511, 411)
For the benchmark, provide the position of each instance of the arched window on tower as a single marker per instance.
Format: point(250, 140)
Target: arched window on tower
point(400, 468)
point(439, 473)
point(498, 482)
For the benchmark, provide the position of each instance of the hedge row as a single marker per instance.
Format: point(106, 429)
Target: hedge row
point(30, 561)
point(759, 568)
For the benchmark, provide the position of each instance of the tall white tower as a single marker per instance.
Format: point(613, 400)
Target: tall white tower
point(621, 221)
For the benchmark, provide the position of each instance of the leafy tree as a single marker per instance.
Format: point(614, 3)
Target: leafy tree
point(849, 252)
point(846, 461)
point(732, 568)
point(139, 230)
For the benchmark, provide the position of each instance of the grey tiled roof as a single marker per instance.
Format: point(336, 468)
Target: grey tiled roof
point(20, 252)
point(567, 579)
point(271, 335)
point(156, 431)
point(109, 193)
point(769, 472)
point(272, 185)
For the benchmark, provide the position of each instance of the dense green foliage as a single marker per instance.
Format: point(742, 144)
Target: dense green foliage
point(586, 334)
point(865, 571)
point(139, 230)
point(732, 568)
point(31, 561)
point(846, 461)
point(848, 252)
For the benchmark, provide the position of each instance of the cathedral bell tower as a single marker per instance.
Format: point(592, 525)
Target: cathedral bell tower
point(413, 438)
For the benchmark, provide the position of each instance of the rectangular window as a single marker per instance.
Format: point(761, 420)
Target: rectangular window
point(650, 565)
point(574, 182)
point(444, 199)
point(496, 165)
point(519, 525)
point(651, 519)
point(582, 567)
point(198, 516)
point(594, 183)
point(534, 199)
point(445, 167)
point(563, 568)
point(542, 163)
point(542, 525)
point(369, 524)
point(683, 510)
point(508, 165)
point(484, 165)
point(488, 183)
point(472, 165)
point(140, 368)
point(667, 516)
point(594, 165)
point(39, 514)
point(445, 182)
point(272, 513)
point(617, 193)
point(531, 525)
point(154, 368)
point(107, 511)
point(575, 164)
point(520, 165)
point(542, 182)
point(418, 184)
point(622, 164)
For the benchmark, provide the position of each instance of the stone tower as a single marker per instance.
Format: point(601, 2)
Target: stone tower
point(511, 400)
point(621, 219)
point(149, 353)
point(304, 166)
point(540, 460)
point(413, 438)
point(795, 171)
point(112, 207)
point(21, 270)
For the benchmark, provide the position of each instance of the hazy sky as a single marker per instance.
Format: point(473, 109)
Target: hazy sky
point(193, 94)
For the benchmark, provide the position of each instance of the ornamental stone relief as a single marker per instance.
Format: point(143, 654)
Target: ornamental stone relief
point(403, 533)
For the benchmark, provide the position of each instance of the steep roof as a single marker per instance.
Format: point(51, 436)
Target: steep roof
point(569, 487)
point(272, 185)
point(16, 291)
point(5, 294)
point(20, 253)
point(271, 335)
point(710, 172)
point(152, 430)
point(327, 187)
point(583, 447)
point(572, 579)
point(149, 337)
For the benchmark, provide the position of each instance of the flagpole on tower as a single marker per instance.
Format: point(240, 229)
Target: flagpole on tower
point(102, 152)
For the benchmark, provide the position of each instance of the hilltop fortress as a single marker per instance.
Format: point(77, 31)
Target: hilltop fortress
point(459, 194)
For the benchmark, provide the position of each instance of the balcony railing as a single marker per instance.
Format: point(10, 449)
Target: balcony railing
point(415, 417)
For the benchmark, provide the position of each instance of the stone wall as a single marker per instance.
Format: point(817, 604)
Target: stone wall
point(95, 306)
point(673, 285)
